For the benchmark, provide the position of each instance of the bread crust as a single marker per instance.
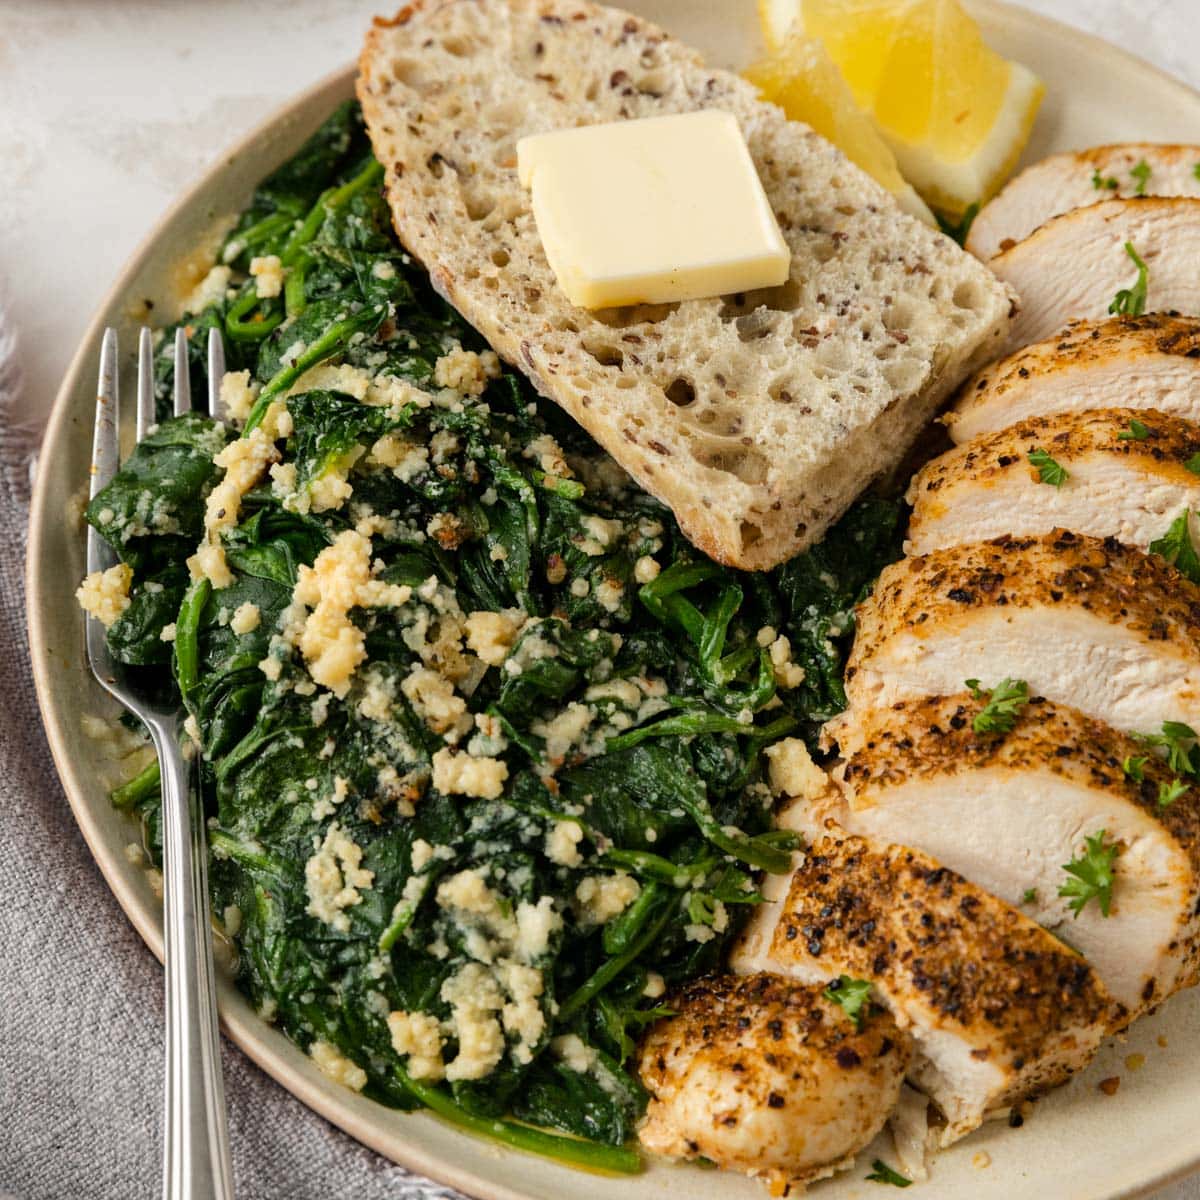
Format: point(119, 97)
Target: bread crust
point(756, 418)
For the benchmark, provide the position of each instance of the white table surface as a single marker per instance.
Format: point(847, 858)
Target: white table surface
point(108, 110)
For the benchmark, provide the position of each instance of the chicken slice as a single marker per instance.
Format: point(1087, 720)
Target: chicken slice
point(767, 1076)
point(1008, 810)
point(1127, 476)
point(1075, 264)
point(1087, 622)
point(1151, 361)
point(998, 1009)
point(1068, 181)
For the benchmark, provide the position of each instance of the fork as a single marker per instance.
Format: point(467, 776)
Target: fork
point(196, 1139)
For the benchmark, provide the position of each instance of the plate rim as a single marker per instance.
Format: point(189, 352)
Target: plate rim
point(270, 1050)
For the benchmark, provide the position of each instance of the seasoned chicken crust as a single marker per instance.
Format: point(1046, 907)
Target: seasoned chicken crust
point(1151, 361)
point(994, 805)
point(1113, 581)
point(768, 1076)
point(1085, 621)
point(1119, 485)
point(951, 962)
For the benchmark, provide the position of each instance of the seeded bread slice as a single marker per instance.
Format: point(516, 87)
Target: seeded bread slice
point(759, 417)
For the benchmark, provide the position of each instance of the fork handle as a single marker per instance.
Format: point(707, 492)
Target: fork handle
point(196, 1138)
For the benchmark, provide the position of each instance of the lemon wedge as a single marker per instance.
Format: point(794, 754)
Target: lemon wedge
point(955, 113)
point(776, 18)
point(802, 79)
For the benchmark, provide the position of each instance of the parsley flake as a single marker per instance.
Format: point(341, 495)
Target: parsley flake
point(1004, 705)
point(1140, 173)
point(1176, 547)
point(1029, 896)
point(1133, 766)
point(882, 1173)
point(1168, 793)
point(1108, 183)
point(1196, 170)
point(1179, 741)
point(1193, 464)
point(852, 996)
point(1137, 432)
point(1131, 302)
point(1048, 470)
point(1091, 876)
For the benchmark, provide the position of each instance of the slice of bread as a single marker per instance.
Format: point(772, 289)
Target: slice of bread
point(759, 417)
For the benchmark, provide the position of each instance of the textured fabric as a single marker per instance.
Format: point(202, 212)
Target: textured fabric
point(81, 1006)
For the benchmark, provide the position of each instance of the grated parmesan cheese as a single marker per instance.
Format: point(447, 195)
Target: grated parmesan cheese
point(599, 898)
point(792, 771)
point(341, 579)
point(246, 618)
point(336, 1066)
point(267, 271)
point(333, 877)
point(462, 775)
point(105, 594)
point(417, 1037)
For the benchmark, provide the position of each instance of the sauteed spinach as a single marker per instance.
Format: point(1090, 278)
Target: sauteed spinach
point(481, 737)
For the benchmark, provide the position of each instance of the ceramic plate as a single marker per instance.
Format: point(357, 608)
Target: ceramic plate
point(1079, 1142)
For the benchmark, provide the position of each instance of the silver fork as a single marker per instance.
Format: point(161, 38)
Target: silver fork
point(196, 1138)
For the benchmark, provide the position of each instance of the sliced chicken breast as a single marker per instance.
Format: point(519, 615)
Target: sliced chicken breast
point(998, 1009)
point(1075, 264)
point(1008, 810)
point(767, 1076)
point(1087, 622)
point(1151, 361)
point(1064, 182)
point(1126, 477)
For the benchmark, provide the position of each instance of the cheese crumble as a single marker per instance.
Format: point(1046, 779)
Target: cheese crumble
point(105, 594)
point(792, 771)
point(336, 1066)
point(333, 877)
point(341, 578)
point(267, 272)
point(456, 774)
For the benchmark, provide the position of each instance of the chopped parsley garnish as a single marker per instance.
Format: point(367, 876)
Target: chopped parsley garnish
point(1179, 741)
point(1004, 705)
point(1196, 170)
point(1108, 183)
point(1091, 876)
point(852, 995)
point(1168, 793)
point(1133, 766)
point(1141, 175)
point(1131, 302)
point(1029, 896)
point(1176, 547)
point(1049, 471)
point(1137, 432)
point(1193, 464)
point(882, 1173)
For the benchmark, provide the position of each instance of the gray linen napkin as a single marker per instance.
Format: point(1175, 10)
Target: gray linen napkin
point(81, 1012)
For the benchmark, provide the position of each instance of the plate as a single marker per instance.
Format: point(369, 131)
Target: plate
point(1078, 1143)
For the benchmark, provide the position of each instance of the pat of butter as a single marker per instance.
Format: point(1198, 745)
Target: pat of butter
point(652, 210)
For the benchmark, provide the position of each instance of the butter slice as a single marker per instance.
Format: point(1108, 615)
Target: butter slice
point(653, 210)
